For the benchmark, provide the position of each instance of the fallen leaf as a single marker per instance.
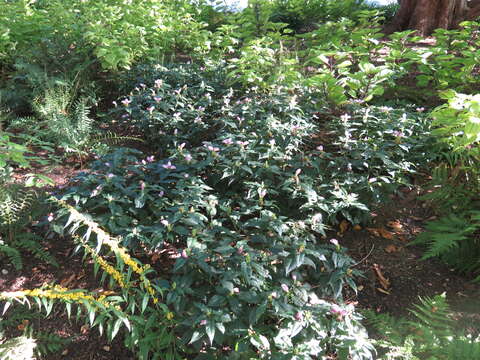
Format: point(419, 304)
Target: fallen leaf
point(357, 227)
point(381, 232)
point(84, 329)
point(391, 249)
point(67, 281)
point(106, 348)
point(383, 291)
point(155, 258)
point(416, 218)
point(343, 226)
point(386, 234)
point(65, 352)
point(395, 225)
point(23, 325)
point(402, 238)
point(384, 282)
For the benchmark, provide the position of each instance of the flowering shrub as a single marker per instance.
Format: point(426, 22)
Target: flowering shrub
point(246, 212)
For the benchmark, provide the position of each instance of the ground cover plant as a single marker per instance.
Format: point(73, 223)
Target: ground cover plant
point(219, 160)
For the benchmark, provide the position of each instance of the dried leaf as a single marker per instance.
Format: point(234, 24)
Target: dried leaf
point(383, 291)
point(391, 249)
point(67, 281)
point(357, 227)
point(343, 226)
point(384, 282)
point(381, 232)
point(386, 234)
point(155, 258)
point(395, 225)
point(84, 329)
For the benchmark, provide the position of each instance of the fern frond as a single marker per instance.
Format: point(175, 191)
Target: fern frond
point(444, 234)
point(19, 348)
point(434, 314)
point(30, 242)
point(463, 348)
point(14, 204)
point(111, 138)
point(13, 255)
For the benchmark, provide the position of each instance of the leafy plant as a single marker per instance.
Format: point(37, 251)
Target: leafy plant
point(432, 335)
point(18, 348)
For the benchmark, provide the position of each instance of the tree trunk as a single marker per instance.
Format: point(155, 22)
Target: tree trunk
point(428, 15)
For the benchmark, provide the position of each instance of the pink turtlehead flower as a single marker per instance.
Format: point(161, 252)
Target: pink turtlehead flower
point(169, 166)
point(337, 310)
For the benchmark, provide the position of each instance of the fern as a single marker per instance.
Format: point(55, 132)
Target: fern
point(15, 202)
point(453, 239)
point(13, 255)
point(431, 336)
point(48, 343)
point(19, 348)
point(18, 206)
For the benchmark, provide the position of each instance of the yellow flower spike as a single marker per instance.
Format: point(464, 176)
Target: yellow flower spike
point(114, 244)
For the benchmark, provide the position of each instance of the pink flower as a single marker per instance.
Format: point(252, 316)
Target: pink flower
point(50, 217)
point(203, 322)
point(150, 109)
point(164, 222)
point(158, 83)
point(169, 166)
point(142, 185)
point(110, 176)
point(337, 310)
point(157, 98)
point(161, 193)
point(126, 102)
point(334, 242)
point(299, 316)
point(236, 290)
point(228, 141)
point(188, 157)
point(284, 287)
point(242, 143)
point(212, 148)
point(184, 254)
point(150, 158)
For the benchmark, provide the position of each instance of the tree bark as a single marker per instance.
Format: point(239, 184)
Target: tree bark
point(427, 15)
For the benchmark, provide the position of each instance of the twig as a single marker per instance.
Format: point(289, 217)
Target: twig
point(365, 258)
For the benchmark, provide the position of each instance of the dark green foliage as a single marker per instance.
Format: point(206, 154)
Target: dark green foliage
point(454, 239)
point(18, 208)
point(432, 334)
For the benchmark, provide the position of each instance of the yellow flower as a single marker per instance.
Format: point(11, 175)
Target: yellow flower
point(169, 316)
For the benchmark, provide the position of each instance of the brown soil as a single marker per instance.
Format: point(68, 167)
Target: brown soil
point(383, 250)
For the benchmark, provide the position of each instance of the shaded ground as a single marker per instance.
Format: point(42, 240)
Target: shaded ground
point(394, 276)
